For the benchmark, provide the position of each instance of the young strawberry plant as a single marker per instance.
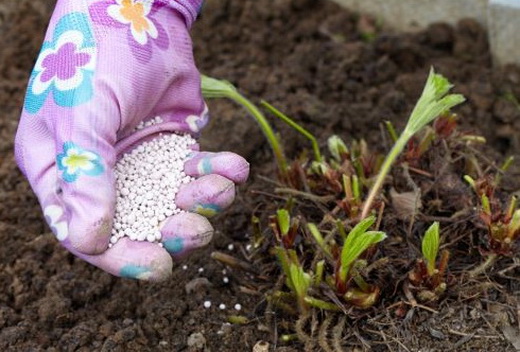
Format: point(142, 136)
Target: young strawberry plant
point(502, 221)
point(434, 101)
point(350, 264)
point(346, 261)
point(428, 278)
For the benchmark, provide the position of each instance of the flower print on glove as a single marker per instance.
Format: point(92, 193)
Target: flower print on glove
point(137, 19)
point(105, 67)
point(65, 65)
point(75, 161)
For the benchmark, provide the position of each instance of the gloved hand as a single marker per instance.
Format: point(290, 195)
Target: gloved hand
point(105, 66)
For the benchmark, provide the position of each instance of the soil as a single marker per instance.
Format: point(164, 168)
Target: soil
point(332, 70)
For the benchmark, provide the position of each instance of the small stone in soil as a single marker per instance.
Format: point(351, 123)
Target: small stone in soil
point(197, 340)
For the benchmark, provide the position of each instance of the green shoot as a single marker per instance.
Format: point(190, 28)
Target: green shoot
point(356, 275)
point(320, 304)
point(514, 226)
point(356, 188)
point(505, 166)
point(507, 163)
point(357, 242)
point(238, 319)
point(337, 148)
point(319, 239)
point(430, 247)
point(298, 128)
point(289, 337)
point(470, 182)
point(512, 207)
point(318, 276)
point(486, 206)
point(296, 278)
point(347, 187)
point(428, 278)
point(214, 88)
point(258, 237)
point(284, 227)
point(433, 102)
point(300, 280)
point(284, 221)
point(391, 131)
point(473, 139)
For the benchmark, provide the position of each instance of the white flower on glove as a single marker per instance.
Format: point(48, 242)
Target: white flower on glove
point(53, 214)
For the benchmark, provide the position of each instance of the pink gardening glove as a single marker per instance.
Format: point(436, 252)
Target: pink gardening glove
point(105, 66)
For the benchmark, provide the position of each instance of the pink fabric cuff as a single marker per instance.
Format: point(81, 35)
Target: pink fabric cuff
point(188, 8)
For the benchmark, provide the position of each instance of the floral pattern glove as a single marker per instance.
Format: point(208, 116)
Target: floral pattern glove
point(104, 67)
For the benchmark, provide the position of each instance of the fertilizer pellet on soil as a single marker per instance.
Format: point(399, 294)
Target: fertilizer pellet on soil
point(147, 180)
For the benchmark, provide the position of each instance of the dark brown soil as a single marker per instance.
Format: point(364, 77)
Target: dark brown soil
point(317, 63)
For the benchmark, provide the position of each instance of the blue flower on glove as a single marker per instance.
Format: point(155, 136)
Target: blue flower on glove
point(75, 161)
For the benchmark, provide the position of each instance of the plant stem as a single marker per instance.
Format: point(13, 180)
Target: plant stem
point(266, 129)
point(214, 88)
point(512, 206)
point(318, 303)
point(300, 129)
point(362, 284)
point(484, 266)
point(385, 169)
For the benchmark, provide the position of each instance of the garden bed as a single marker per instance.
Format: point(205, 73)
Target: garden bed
point(334, 73)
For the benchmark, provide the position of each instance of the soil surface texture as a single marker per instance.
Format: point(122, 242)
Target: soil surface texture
point(333, 71)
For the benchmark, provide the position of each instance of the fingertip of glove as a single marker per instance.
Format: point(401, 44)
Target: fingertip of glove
point(158, 270)
point(93, 239)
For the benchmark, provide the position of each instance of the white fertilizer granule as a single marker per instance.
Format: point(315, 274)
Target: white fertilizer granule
point(147, 180)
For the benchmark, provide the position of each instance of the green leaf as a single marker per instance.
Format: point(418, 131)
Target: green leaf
point(357, 231)
point(357, 242)
point(284, 221)
point(430, 246)
point(432, 103)
point(215, 88)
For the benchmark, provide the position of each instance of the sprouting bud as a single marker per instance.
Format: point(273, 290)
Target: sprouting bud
point(337, 147)
point(319, 168)
point(514, 224)
point(362, 299)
